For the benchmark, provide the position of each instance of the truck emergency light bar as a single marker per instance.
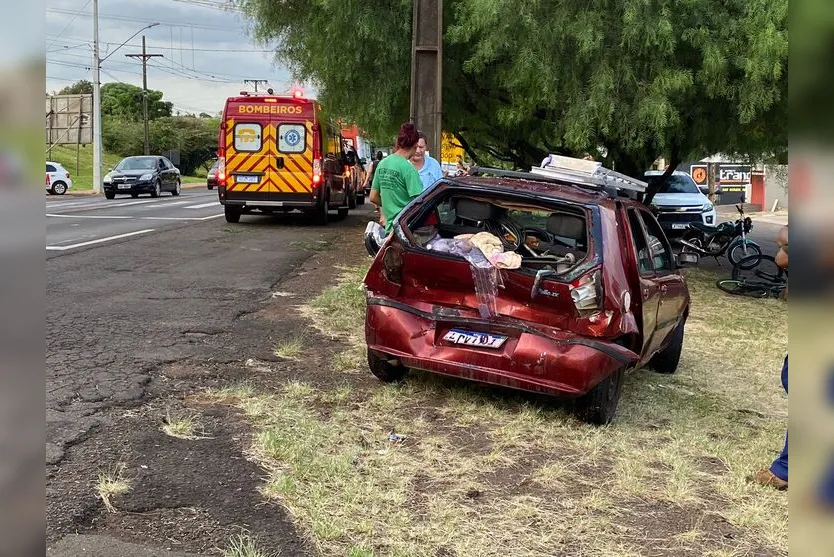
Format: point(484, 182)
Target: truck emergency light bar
point(587, 172)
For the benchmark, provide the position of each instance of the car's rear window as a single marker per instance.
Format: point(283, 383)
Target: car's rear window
point(540, 235)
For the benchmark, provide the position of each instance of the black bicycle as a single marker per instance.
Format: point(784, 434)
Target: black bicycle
point(756, 276)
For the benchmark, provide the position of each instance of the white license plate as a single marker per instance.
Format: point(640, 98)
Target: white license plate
point(247, 179)
point(470, 338)
point(124, 186)
point(680, 226)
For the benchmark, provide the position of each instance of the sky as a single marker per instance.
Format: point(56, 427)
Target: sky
point(207, 52)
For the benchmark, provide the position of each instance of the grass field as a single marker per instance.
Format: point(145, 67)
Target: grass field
point(487, 471)
point(82, 177)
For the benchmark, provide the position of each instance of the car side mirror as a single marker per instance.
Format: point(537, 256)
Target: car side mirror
point(687, 259)
point(704, 190)
point(374, 237)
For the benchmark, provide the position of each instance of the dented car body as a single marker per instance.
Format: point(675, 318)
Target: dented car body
point(596, 293)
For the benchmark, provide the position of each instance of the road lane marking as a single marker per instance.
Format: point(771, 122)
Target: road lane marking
point(108, 205)
point(202, 205)
point(99, 240)
point(104, 217)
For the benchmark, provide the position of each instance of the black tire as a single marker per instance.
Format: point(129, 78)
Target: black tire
point(666, 361)
point(351, 200)
point(209, 186)
point(323, 212)
point(739, 288)
point(736, 255)
point(177, 189)
point(343, 212)
point(599, 405)
point(384, 370)
point(134, 195)
point(157, 189)
point(59, 188)
point(232, 214)
point(110, 195)
point(758, 268)
point(360, 199)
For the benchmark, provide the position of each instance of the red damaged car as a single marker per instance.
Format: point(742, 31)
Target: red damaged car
point(555, 282)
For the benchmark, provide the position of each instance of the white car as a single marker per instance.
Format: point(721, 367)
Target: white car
point(680, 202)
point(57, 179)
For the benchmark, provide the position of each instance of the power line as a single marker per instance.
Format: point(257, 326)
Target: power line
point(158, 47)
point(135, 19)
point(84, 7)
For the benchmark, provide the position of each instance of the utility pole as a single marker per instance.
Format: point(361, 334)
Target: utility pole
point(255, 82)
point(145, 57)
point(96, 105)
point(427, 71)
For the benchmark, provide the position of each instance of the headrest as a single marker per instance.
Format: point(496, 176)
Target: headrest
point(472, 210)
point(567, 226)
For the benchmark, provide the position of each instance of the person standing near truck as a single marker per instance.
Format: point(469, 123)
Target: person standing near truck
point(427, 166)
point(396, 181)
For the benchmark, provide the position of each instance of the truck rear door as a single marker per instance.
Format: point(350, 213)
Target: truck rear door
point(292, 169)
point(247, 159)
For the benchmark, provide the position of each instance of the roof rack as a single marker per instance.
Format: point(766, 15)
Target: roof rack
point(582, 173)
point(587, 172)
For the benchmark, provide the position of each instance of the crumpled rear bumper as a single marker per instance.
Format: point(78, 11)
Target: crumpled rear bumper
point(532, 359)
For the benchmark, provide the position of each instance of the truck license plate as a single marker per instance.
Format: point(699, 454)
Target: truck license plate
point(247, 179)
point(470, 338)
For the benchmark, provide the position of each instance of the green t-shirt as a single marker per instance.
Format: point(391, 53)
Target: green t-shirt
point(397, 182)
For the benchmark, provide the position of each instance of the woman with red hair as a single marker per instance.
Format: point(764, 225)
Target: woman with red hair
point(396, 182)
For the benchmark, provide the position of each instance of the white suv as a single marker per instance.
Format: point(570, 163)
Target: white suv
point(680, 202)
point(57, 179)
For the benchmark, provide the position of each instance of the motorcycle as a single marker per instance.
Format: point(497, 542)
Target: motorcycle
point(727, 238)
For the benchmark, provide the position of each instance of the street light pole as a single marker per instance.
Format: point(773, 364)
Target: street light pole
point(96, 105)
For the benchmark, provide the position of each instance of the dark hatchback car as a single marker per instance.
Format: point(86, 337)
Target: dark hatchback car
point(211, 176)
point(142, 174)
point(595, 291)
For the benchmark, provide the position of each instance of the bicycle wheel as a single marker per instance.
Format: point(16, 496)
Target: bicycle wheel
point(737, 252)
point(740, 288)
point(759, 268)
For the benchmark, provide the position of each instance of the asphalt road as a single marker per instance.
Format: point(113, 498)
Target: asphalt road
point(74, 223)
point(134, 285)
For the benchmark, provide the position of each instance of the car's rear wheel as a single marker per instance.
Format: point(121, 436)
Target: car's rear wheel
point(157, 189)
point(232, 214)
point(110, 195)
point(666, 361)
point(323, 212)
point(599, 405)
point(384, 370)
point(59, 188)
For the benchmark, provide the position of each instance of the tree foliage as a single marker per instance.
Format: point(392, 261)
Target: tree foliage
point(634, 78)
point(80, 87)
point(124, 101)
point(194, 138)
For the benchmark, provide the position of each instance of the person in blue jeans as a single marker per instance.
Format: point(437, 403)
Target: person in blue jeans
point(776, 475)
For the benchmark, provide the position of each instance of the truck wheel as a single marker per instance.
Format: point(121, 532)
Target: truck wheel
point(599, 405)
point(323, 213)
point(360, 199)
point(666, 361)
point(385, 370)
point(232, 214)
point(351, 201)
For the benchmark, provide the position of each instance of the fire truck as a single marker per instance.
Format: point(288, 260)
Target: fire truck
point(354, 139)
point(276, 155)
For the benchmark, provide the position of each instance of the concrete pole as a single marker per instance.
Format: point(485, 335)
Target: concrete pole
point(427, 71)
point(96, 105)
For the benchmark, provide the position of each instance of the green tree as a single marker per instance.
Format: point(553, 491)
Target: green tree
point(635, 78)
point(195, 139)
point(80, 87)
point(124, 101)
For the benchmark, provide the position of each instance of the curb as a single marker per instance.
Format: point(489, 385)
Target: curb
point(90, 193)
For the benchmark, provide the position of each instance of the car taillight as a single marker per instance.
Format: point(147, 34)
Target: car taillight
point(392, 265)
point(47, 179)
point(586, 292)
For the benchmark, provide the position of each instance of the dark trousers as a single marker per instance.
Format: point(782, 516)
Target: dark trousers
point(780, 465)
